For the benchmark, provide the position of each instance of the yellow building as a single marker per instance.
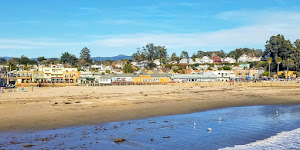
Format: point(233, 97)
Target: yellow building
point(24, 77)
point(287, 74)
point(70, 75)
point(150, 79)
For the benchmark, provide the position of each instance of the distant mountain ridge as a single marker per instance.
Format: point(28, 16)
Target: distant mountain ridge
point(119, 57)
point(114, 58)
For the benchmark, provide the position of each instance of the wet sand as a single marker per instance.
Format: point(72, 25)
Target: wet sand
point(56, 107)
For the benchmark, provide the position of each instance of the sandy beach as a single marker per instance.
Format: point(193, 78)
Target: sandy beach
point(56, 107)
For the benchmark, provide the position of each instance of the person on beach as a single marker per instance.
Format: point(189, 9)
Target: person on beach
point(1, 90)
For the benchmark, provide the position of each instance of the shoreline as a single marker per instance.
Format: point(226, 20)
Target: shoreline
point(60, 107)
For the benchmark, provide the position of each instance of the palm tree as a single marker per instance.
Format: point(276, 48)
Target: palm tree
point(278, 61)
point(269, 60)
point(288, 63)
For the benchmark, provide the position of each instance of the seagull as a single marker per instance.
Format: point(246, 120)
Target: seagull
point(276, 112)
point(194, 123)
point(209, 129)
point(220, 119)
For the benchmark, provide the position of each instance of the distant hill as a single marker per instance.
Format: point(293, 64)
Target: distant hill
point(7, 58)
point(119, 57)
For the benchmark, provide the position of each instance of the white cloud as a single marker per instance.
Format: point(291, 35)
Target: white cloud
point(263, 25)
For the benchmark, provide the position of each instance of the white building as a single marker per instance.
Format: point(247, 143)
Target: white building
point(224, 75)
point(255, 59)
point(183, 61)
point(157, 62)
point(244, 58)
point(206, 59)
point(97, 67)
point(230, 60)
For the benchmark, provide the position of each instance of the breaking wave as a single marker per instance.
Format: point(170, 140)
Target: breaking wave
point(284, 140)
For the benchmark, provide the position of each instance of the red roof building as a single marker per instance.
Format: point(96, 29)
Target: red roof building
point(217, 59)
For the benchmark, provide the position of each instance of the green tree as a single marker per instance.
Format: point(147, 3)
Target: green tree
point(86, 55)
point(278, 46)
point(2, 60)
point(25, 60)
point(151, 65)
point(13, 63)
point(201, 54)
point(128, 68)
point(40, 59)
point(184, 54)
point(226, 68)
point(278, 61)
point(296, 54)
point(67, 58)
point(269, 60)
point(236, 54)
point(288, 63)
point(174, 57)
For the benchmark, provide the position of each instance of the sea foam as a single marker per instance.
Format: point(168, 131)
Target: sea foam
point(284, 140)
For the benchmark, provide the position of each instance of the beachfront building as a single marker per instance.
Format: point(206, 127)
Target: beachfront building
point(89, 77)
point(24, 77)
point(70, 75)
point(204, 76)
point(38, 76)
point(47, 74)
point(289, 74)
point(57, 74)
point(247, 74)
point(224, 75)
point(105, 79)
point(159, 79)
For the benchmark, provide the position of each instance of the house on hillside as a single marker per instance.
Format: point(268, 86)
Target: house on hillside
point(244, 58)
point(217, 59)
point(184, 61)
point(157, 62)
point(229, 60)
point(206, 59)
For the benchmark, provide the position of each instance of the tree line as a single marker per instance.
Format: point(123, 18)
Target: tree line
point(66, 58)
point(279, 54)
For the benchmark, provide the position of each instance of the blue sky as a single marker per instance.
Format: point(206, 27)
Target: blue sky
point(38, 28)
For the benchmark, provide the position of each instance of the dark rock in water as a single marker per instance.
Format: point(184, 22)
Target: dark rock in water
point(151, 139)
point(153, 122)
point(138, 128)
point(166, 121)
point(27, 145)
point(166, 137)
point(119, 140)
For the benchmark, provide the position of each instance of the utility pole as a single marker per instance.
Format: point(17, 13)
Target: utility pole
point(7, 78)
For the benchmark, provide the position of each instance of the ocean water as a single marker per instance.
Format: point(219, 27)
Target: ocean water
point(253, 127)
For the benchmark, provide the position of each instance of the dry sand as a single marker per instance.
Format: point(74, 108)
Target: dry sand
point(55, 107)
